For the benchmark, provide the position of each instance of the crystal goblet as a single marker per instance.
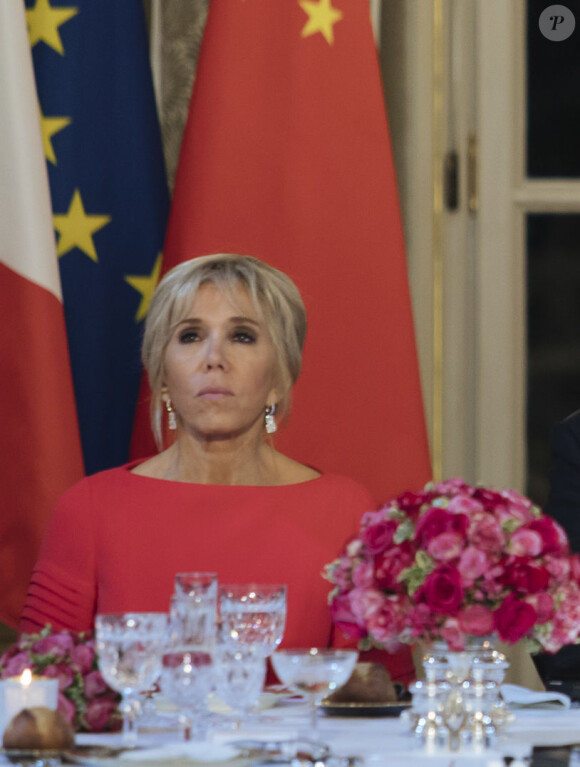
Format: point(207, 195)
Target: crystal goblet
point(240, 673)
point(129, 647)
point(253, 614)
point(315, 671)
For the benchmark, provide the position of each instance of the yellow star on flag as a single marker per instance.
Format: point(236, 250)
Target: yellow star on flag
point(321, 18)
point(145, 285)
point(76, 228)
point(49, 126)
point(44, 21)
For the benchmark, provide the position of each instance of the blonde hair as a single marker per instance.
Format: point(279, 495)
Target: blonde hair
point(275, 297)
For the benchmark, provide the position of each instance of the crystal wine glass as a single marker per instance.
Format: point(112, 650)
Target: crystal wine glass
point(314, 671)
point(187, 678)
point(253, 614)
point(239, 678)
point(130, 646)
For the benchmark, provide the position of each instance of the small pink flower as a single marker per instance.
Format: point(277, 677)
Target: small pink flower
point(365, 602)
point(464, 504)
point(476, 620)
point(473, 563)
point(66, 707)
point(362, 575)
point(94, 684)
point(485, 532)
point(16, 665)
point(543, 604)
point(344, 619)
point(99, 712)
point(54, 644)
point(62, 672)
point(386, 625)
point(82, 657)
point(445, 547)
point(525, 543)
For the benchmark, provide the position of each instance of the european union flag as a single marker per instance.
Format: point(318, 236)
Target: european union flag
point(109, 196)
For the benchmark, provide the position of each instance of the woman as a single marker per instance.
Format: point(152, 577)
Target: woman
point(222, 348)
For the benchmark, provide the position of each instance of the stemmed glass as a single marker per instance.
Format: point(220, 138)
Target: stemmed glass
point(130, 646)
point(240, 673)
point(253, 614)
point(314, 671)
point(187, 675)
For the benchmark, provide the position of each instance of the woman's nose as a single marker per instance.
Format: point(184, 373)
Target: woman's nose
point(215, 354)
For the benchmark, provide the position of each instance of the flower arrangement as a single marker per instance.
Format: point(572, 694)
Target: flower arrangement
point(455, 561)
point(83, 697)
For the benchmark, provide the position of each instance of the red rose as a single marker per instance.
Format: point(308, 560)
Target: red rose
point(410, 503)
point(514, 619)
point(442, 590)
point(378, 537)
point(525, 577)
point(551, 536)
point(390, 564)
point(436, 521)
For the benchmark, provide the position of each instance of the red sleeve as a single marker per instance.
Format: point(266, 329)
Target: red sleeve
point(400, 665)
point(62, 588)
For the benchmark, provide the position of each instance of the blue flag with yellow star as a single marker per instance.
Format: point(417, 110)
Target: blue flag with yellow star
point(109, 197)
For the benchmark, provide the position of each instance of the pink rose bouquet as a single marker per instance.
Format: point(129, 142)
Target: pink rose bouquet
point(83, 697)
point(455, 561)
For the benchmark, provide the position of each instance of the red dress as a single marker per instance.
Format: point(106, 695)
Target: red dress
point(117, 539)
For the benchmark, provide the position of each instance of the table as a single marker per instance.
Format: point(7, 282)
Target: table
point(381, 742)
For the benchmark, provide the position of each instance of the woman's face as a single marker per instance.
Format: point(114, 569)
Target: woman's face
point(220, 365)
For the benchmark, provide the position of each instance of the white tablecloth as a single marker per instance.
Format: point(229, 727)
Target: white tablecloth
point(382, 742)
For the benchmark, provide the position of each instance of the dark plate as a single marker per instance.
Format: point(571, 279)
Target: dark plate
point(363, 709)
point(72, 756)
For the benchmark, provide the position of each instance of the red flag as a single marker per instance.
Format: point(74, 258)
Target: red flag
point(286, 157)
point(39, 442)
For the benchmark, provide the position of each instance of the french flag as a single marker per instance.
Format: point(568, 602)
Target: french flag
point(40, 449)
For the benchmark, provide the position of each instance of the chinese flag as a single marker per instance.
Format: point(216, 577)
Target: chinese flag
point(39, 438)
point(286, 157)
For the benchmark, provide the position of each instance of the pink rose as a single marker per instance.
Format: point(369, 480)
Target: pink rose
point(436, 521)
point(379, 536)
point(558, 567)
point(445, 547)
point(472, 564)
point(451, 486)
point(464, 504)
point(525, 543)
point(485, 532)
point(476, 620)
point(82, 657)
point(344, 619)
point(543, 604)
point(62, 672)
point(390, 564)
point(16, 665)
point(365, 602)
point(386, 624)
point(99, 712)
point(54, 644)
point(362, 575)
point(524, 576)
point(442, 590)
point(94, 684)
point(514, 619)
point(66, 707)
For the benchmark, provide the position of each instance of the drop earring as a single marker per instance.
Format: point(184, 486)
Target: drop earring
point(171, 415)
point(269, 421)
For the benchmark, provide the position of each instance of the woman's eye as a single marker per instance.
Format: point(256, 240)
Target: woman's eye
point(188, 336)
point(244, 337)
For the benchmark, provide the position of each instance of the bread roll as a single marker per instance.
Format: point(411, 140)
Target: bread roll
point(39, 728)
point(368, 683)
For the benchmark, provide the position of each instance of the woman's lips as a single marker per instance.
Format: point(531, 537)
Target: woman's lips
point(214, 392)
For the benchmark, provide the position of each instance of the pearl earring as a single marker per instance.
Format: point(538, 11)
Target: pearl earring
point(269, 421)
point(171, 415)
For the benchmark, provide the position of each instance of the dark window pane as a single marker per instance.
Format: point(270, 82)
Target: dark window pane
point(553, 330)
point(553, 98)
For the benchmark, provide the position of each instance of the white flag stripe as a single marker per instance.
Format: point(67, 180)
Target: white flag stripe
point(27, 242)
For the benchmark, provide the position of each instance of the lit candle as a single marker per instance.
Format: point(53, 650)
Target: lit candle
point(25, 691)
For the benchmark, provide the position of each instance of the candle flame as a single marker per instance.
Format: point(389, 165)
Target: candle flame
point(26, 677)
